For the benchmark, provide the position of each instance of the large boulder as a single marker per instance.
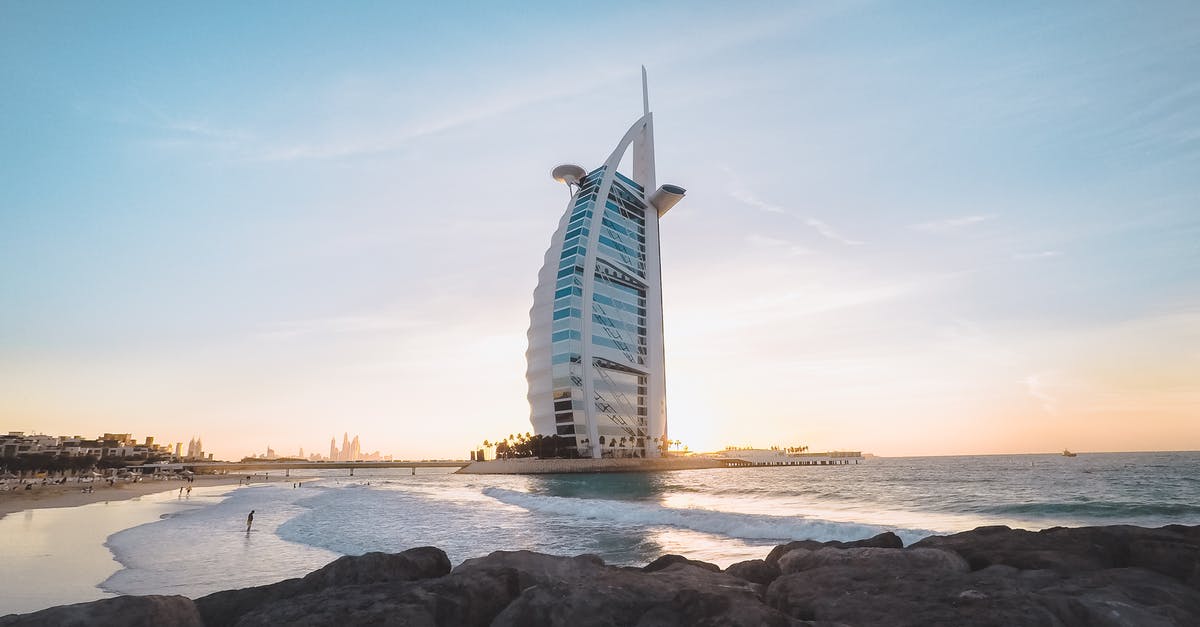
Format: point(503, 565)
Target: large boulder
point(892, 562)
point(857, 596)
point(864, 596)
point(885, 540)
point(1173, 550)
point(227, 607)
point(468, 599)
point(754, 571)
point(582, 591)
point(424, 562)
point(130, 611)
point(1119, 597)
point(670, 558)
point(539, 568)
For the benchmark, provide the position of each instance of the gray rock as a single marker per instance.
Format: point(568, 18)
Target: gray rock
point(1121, 597)
point(885, 540)
point(130, 611)
point(1172, 550)
point(997, 595)
point(227, 607)
point(754, 571)
point(538, 568)
point(424, 562)
point(670, 559)
point(583, 593)
point(897, 561)
point(467, 599)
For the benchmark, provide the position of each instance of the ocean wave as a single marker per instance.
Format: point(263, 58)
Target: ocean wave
point(204, 547)
point(1113, 511)
point(729, 524)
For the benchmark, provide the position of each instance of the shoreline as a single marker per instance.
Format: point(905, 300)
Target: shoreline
point(59, 530)
point(71, 494)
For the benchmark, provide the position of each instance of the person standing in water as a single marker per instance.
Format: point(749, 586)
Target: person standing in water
point(249, 521)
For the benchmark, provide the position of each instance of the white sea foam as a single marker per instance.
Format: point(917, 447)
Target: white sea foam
point(730, 524)
point(205, 549)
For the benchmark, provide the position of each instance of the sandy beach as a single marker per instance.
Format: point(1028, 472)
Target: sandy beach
point(71, 494)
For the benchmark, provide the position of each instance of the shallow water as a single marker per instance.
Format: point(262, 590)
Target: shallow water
point(721, 515)
point(57, 555)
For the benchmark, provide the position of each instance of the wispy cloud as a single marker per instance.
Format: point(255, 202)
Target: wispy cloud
point(1037, 386)
point(821, 227)
point(764, 242)
point(1044, 254)
point(827, 232)
point(950, 224)
point(754, 201)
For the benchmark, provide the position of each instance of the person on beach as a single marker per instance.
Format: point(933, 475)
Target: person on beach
point(181, 492)
point(249, 521)
point(189, 492)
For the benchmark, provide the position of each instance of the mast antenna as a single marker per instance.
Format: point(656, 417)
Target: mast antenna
point(645, 93)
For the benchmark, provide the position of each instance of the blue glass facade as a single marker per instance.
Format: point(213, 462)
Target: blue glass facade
point(618, 318)
point(616, 307)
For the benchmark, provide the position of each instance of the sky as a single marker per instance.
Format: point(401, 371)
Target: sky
point(911, 228)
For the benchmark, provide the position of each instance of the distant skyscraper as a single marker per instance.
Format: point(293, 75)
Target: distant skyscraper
point(345, 454)
point(595, 364)
point(333, 452)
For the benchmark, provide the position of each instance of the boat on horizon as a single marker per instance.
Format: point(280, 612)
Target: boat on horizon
point(1067, 453)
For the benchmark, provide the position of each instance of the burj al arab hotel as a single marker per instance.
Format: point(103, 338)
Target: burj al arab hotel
point(595, 366)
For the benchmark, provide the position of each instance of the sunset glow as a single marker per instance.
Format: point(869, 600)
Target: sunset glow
point(907, 231)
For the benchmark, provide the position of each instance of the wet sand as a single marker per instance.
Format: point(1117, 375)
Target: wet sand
point(57, 552)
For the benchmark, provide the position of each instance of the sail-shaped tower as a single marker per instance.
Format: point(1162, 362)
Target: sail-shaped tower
point(595, 364)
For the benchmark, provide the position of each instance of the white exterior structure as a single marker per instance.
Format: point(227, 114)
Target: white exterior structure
point(596, 369)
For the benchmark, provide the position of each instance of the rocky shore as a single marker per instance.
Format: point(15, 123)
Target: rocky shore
point(1091, 576)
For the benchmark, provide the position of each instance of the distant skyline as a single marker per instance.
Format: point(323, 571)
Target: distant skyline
point(910, 229)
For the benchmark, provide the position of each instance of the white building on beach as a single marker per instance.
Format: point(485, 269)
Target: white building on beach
point(595, 363)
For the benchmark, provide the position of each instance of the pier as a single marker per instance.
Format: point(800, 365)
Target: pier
point(267, 465)
point(761, 457)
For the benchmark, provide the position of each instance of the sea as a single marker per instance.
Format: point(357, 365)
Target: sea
point(721, 515)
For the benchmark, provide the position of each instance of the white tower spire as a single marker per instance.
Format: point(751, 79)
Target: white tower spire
point(643, 144)
point(645, 93)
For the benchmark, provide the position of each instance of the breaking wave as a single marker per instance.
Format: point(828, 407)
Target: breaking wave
point(729, 524)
